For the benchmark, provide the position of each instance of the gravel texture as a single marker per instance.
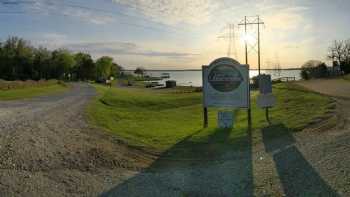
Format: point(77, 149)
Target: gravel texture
point(48, 149)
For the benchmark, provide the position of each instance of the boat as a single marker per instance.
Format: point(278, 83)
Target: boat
point(165, 75)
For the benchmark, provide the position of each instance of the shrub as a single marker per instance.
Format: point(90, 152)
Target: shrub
point(314, 69)
point(345, 67)
point(255, 84)
point(305, 74)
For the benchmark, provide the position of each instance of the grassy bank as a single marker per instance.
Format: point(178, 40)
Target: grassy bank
point(167, 118)
point(29, 92)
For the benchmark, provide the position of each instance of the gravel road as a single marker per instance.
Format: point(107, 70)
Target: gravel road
point(334, 87)
point(48, 149)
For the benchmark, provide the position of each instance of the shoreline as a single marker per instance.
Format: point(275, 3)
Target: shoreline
point(185, 70)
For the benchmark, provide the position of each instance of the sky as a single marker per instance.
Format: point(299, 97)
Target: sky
point(180, 34)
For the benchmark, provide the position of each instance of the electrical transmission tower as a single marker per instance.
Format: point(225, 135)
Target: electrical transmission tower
point(230, 36)
point(251, 21)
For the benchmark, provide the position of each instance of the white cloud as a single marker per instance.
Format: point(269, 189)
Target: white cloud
point(48, 7)
point(124, 49)
point(172, 12)
point(87, 16)
point(51, 40)
point(286, 18)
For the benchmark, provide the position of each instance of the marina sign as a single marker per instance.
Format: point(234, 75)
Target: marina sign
point(226, 84)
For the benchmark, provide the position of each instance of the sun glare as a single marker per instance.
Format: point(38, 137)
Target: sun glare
point(248, 38)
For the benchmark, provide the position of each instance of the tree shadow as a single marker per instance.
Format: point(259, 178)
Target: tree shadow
point(215, 166)
point(298, 177)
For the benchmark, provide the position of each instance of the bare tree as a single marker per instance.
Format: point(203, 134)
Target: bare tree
point(347, 51)
point(339, 53)
point(336, 51)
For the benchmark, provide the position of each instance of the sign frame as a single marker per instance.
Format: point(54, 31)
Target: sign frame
point(242, 90)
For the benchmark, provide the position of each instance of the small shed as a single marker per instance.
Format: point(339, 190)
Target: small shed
point(170, 84)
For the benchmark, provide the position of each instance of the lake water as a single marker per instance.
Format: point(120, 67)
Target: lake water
point(194, 78)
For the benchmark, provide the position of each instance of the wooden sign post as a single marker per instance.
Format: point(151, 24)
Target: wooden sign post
point(225, 85)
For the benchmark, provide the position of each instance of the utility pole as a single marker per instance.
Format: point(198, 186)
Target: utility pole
point(245, 40)
point(259, 44)
point(246, 62)
point(255, 20)
point(230, 36)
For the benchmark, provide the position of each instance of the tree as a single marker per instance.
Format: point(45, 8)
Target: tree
point(140, 71)
point(41, 63)
point(314, 69)
point(62, 64)
point(116, 70)
point(104, 67)
point(340, 52)
point(84, 68)
point(21, 61)
point(16, 59)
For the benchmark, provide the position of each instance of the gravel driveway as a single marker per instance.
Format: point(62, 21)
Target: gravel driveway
point(47, 148)
point(333, 87)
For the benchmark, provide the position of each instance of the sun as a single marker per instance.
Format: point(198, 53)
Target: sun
point(248, 38)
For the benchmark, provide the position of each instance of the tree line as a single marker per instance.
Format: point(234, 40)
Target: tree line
point(338, 53)
point(19, 60)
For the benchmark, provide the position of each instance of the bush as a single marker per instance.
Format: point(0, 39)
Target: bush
point(255, 84)
point(314, 69)
point(345, 67)
point(9, 85)
point(305, 74)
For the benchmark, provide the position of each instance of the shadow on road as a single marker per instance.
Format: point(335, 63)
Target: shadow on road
point(298, 177)
point(212, 167)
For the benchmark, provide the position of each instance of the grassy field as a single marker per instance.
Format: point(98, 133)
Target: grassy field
point(163, 119)
point(347, 77)
point(30, 92)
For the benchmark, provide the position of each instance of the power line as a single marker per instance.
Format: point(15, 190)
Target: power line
point(230, 36)
point(248, 21)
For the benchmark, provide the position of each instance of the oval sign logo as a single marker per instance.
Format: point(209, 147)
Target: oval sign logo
point(225, 78)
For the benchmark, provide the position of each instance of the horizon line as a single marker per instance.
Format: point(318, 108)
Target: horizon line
point(201, 69)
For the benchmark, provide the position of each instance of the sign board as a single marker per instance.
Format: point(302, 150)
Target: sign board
point(226, 84)
point(265, 84)
point(225, 119)
point(266, 100)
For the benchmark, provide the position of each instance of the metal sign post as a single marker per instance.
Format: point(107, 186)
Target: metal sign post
point(266, 99)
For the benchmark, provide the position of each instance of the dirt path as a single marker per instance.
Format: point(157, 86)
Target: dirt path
point(47, 148)
point(333, 87)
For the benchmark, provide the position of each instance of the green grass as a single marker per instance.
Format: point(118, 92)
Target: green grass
point(30, 92)
point(172, 119)
point(347, 77)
